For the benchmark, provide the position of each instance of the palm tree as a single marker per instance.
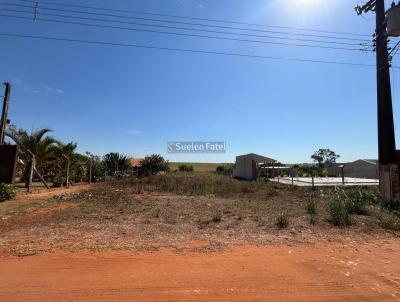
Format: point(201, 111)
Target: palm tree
point(116, 163)
point(39, 143)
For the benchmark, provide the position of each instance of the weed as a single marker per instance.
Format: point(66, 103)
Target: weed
point(6, 192)
point(217, 217)
point(157, 211)
point(338, 212)
point(282, 221)
point(355, 202)
point(311, 207)
point(313, 219)
point(389, 221)
point(392, 206)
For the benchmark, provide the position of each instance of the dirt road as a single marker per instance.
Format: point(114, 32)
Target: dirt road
point(326, 272)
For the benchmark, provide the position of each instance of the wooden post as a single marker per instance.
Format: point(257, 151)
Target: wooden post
point(33, 169)
point(292, 172)
point(342, 174)
point(40, 177)
point(278, 174)
point(31, 173)
point(66, 157)
point(273, 171)
point(312, 178)
point(90, 171)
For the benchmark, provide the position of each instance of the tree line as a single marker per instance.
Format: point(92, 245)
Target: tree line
point(51, 158)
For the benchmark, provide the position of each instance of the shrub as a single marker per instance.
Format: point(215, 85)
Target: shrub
point(225, 169)
point(338, 212)
point(390, 222)
point(157, 211)
point(154, 164)
point(282, 221)
point(311, 207)
point(392, 205)
point(217, 216)
point(356, 202)
point(6, 192)
point(186, 168)
point(321, 172)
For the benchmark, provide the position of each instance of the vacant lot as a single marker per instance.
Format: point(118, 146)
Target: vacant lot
point(195, 237)
point(170, 211)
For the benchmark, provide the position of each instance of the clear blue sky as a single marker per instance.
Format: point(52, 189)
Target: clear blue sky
point(135, 100)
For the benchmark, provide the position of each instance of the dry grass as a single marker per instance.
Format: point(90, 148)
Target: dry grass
point(198, 167)
point(206, 185)
point(170, 211)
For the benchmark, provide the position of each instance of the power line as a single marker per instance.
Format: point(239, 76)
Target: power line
point(185, 50)
point(187, 35)
point(193, 18)
point(186, 23)
point(37, 16)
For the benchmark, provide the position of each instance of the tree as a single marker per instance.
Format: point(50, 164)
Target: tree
point(154, 164)
point(77, 162)
point(116, 163)
point(324, 156)
point(98, 167)
point(39, 143)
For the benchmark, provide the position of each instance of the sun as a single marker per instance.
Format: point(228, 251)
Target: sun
point(307, 5)
point(306, 13)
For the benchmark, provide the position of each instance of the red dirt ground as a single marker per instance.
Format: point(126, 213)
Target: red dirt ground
point(323, 272)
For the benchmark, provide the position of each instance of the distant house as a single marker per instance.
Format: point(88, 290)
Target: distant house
point(246, 166)
point(136, 162)
point(362, 168)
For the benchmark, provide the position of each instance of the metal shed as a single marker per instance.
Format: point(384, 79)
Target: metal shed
point(246, 165)
point(362, 168)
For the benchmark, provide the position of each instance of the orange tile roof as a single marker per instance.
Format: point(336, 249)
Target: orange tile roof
point(136, 162)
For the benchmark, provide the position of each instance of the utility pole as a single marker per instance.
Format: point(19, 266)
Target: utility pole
point(4, 114)
point(386, 136)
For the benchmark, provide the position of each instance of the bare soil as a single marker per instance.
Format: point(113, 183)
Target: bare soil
point(294, 272)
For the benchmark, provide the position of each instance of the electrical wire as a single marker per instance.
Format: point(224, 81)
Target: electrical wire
point(186, 34)
point(185, 23)
point(184, 28)
point(192, 18)
point(184, 50)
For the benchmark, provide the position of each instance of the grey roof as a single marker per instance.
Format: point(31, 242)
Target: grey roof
point(258, 158)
